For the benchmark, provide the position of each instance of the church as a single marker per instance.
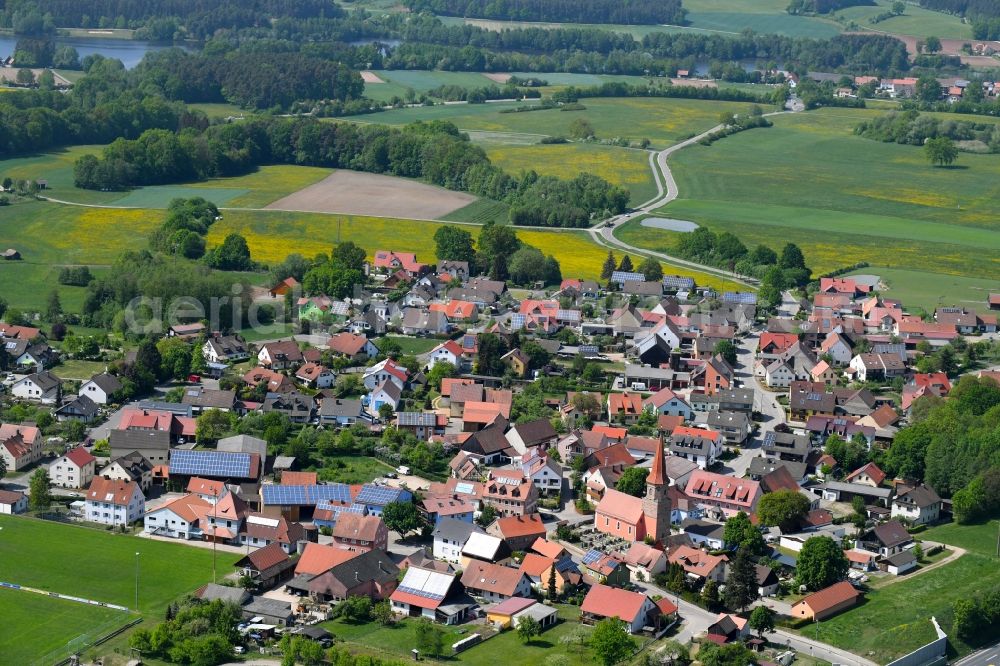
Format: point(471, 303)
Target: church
point(635, 518)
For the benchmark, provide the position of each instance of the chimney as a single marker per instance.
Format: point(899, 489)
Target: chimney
point(357, 578)
point(380, 567)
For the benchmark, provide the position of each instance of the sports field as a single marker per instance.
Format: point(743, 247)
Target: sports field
point(621, 166)
point(842, 198)
point(92, 564)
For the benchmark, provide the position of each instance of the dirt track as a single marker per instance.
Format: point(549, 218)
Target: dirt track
point(356, 193)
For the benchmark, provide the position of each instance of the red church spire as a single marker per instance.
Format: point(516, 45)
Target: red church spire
point(658, 473)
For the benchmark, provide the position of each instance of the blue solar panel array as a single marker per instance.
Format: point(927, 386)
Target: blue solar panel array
point(627, 276)
point(592, 556)
point(375, 497)
point(213, 464)
point(678, 282)
point(420, 593)
point(305, 495)
point(742, 297)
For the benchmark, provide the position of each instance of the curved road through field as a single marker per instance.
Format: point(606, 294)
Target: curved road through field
point(602, 233)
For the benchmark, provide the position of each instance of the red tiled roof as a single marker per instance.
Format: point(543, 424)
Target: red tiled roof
point(106, 490)
point(491, 577)
point(511, 606)
point(547, 548)
point(519, 526)
point(270, 555)
point(299, 478)
point(829, 597)
point(320, 558)
point(620, 505)
point(80, 457)
point(206, 486)
point(876, 474)
point(611, 602)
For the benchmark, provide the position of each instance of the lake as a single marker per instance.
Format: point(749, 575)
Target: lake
point(130, 52)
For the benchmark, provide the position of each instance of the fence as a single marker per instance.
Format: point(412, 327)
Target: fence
point(932, 653)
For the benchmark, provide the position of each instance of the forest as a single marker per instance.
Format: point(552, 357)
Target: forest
point(199, 19)
point(912, 128)
point(642, 12)
point(968, 8)
point(434, 151)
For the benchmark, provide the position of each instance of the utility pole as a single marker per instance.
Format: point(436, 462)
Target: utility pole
point(137, 582)
point(215, 529)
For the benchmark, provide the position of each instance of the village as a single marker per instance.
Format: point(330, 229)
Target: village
point(652, 452)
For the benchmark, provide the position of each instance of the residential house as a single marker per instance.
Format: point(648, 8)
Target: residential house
point(518, 531)
point(703, 533)
point(667, 402)
point(423, 592)
point(918, 504)
point(267, 566)
point(417, 321)
point(101, 388)
point(261, 531)
point(12, 502)
point(422, 425)
point(699, 445)
point(115, 503)
point(130, 467)
point(388, 261)
point(225, 349)
point(877, 367)
point(645, 561)
point(899, 563)
point(510, 492)
point(767, 581)
point(355, 531)
point(786, 446)
point(316, 376)
point(274, 382)
point(828, 601)
point(371, 574)
point(733, 426)
point(545, 473)
point(700, 565)
point(386, 371)
point(495, 582)
point(298, 407)
point(885, 539)
point(446, 352)
point(635, 609)
point(624, 407)
point(352, 347)
point(179, 518)
point(450, 536)
point(387, 393)
point(722, 495)
point(20, 445)
point(201, 398)
point(43, 387)
point(868, 474)
point(340, 412)
point(440, 507)
point(837, 348)
point(80, 408)
point(281, 355)
point(532, 435)
point(75, 469)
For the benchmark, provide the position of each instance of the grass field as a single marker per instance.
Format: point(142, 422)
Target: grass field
point(480, 211)
point(848, 199)
point(82, 370)
point(896, 619)
point(662, 121)
point(352, 469)
point(413, 346)
point(92, 564)
point(931, 290)
point(56, 167)
point(620, 166)
point(36, 625)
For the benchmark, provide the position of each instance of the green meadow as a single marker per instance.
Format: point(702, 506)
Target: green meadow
point(842, 198)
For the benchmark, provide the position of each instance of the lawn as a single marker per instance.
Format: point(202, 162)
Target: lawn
point(411, 346)
point(931, 290)
point(57, 167)
point(399, 639)
point(75, 369)
point(914, 21)
point(480, 211)
point(38, 629)
point(352, 469)
point(619, 166)
point(896, 619)
point(854, 199)
point(662, 121)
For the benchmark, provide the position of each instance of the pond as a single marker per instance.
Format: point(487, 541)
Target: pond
point(668, 224)
point(130, 52)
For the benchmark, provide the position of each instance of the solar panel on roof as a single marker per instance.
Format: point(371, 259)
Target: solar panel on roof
point(464, 488)
point(568, 315)
point(742, 297)
point(678, 282)
point(627, 276)
point(592, 556)
point(517, 320)
point(215, 464)
point(814, 396)
point(372, 495)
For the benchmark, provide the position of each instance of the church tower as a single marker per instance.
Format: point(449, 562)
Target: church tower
point(656, 503)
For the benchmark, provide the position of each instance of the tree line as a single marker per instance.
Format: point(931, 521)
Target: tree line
point(435, 151)
point(968, 8)
point(641, 12)
point(256, 81)
point(823, 6)
point(198, 18)
point(912, 128)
